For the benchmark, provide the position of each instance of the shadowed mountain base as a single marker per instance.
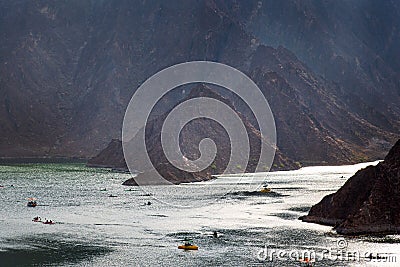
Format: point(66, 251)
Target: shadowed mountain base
point(368, 203)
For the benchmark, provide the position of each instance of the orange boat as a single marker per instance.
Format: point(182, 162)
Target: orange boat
point(188, 246)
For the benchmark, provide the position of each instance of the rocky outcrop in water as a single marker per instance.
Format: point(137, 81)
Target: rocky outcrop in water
point(368, 203)
point(190, 137)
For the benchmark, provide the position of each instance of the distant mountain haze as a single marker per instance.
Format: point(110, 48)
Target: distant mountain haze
point(329, 70)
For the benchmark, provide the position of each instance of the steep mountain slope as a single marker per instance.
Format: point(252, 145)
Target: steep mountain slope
point(189, 140)
point(356, 44)
point(325, 129)
point(68, 71)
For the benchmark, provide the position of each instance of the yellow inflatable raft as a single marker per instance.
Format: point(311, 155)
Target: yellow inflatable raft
point(265, 190)
point(188, 247)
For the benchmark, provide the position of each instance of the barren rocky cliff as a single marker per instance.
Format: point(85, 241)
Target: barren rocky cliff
point(328, 69)
point(368, 203)
point(190, 138)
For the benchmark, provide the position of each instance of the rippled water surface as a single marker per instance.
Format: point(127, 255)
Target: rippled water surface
point(94, 229)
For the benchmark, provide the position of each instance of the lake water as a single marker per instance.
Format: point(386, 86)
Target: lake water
point(93, 229)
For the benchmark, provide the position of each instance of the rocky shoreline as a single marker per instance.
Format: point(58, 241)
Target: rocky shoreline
point(368, 203)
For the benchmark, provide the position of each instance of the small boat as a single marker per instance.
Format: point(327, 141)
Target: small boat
point(48, 222)
point(37, 219)
point(32, 202)
point(188, 245)
point(307, 262)
point(265, 189)
point(103, 189)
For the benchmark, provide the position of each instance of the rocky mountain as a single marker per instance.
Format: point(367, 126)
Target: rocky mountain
point(368, 203)
point(189, 140)
point(110, 157)
point(328, 69)
point(354, 44)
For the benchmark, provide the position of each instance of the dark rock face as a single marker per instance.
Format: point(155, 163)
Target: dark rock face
point(68, 70)
point(190, 137)
point(345, 42)
point(307, 113)
point(368, 203)
point(111, 157)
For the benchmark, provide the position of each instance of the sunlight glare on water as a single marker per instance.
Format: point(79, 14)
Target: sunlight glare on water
point(95, 229)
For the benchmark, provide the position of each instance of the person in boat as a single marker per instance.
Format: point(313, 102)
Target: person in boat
point(32, 204)
point(188, 245)
point(187, 242)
